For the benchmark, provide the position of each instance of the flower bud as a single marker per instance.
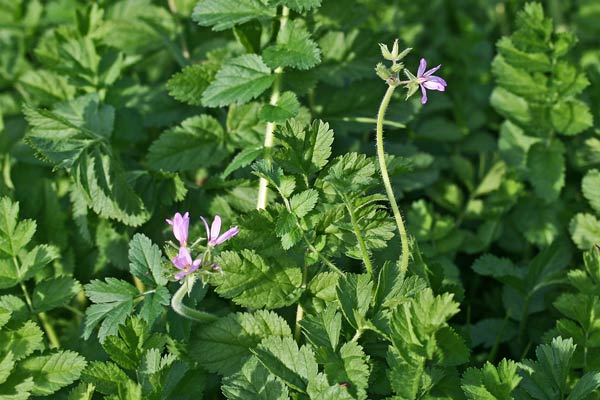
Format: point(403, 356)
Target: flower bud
point(396, 68)
point(382, 71)
point(395, 50)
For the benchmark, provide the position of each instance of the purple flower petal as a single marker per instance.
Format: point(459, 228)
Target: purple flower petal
point(437, 79)
point(424, 97)
point(422, 66)
point(183, 259)
point(227, 235)
point(215, 229)
point(431, 85)
point(181, 275)
point(180, 227)
point(207, 228)
point(432, 70)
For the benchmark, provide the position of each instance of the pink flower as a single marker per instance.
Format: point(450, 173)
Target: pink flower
point(212, 234)
point(428, 81)
point(180, 227)
point(184, 262)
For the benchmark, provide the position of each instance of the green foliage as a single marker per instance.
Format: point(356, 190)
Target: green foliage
point(115, 300)
point(491, 382)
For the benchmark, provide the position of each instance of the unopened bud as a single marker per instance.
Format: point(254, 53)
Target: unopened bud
point(395, 50)
point(403, 54)
point(382, 71)
point(396, 68)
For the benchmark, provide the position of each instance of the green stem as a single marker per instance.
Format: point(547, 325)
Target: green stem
point(188, 312)
point(523, 321)
point(365, 120)
point(386, 178)
point(359, 237)
point(50, 332)
point(261, 201)
point(299, 309)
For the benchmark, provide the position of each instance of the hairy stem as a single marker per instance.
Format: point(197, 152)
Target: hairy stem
point(359, 237)
point(261, 201)
point(188, 312)
point(386, 178)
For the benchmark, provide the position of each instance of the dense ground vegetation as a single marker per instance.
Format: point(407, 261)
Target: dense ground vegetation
point(283, 271)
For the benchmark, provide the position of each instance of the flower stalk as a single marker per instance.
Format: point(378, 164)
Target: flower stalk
point(188, 312)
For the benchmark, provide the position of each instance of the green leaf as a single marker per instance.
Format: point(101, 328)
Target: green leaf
point(75, 136)
point(53, 372)
point(546, 165)
point(294, 48)
point(287, 106)
point(154, 304)
point(239, 80)
point(323, 329)
point(54, 292)
point(530, 61)
point(351, 173)
point(225, 14)
point(491, 383)
point(501, 269)
point(243, 159)
point(114, 300)
point(23, 341)
point(7, 363)
point(405, 373)
point(510, 105)
point(585, 230)
point(590, 186)
point(105, 376)
point(585, 386)
point(547, 377)
point(452, 350)
point(305, 149)
point(300, 5)
point(14, 234)
point(302, 203)
point(198, 142)
point(492, 179)
point(46, 87)
point(254, 382)
point(224, 345)
point(352, 368)
point(320, 389)
point(145, 261)
point(354, 292)
point(83, 391)
point(62, 135)
point(251, 282)
point(571, 117)
point(8, 273)
point(36, 259)
point(188, 85)
point(518, 81)
point(282, 357)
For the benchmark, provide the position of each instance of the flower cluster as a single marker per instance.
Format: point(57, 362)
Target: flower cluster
point(183, 261)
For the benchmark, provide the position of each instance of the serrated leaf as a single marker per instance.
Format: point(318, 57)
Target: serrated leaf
point(188, 85)
point(571, 117)
point(242, 159)
point(114, 300)
point(547, 377)
point(83, 391)
point(323, 329)
point(320, 389)
point(294, 48)
point(585, 230)
point(54, 292)
point(198, 142)
point(300, 5)
point(354, 292)
point(590, 186)
point(36, 259)
point(154, 304)
point(287, 106)
point(306, 149)
point(510, 105)
point(351, 368)
point(53, 372)
point(224, 345)
point(238, 81)
point(14, 234)
point(7, 363)
point(225, 14)
point(489, 382)
point(282, 357)
point(46, 87)
point(546, 165)
point(452, 350)
point(351, 173)
point(105, 376)
point(254, 382)
point(585, 386)
point(251, 282)
point(501, 269)
point(302, 203)
point(22, 341)
point(145, 261)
